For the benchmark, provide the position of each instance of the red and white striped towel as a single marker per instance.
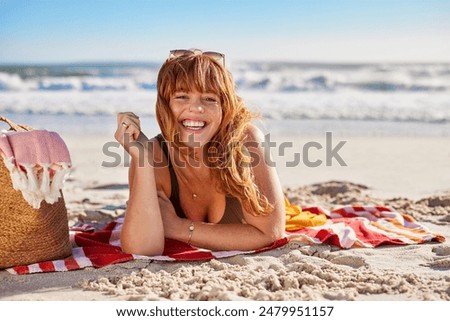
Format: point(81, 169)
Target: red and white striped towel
point(346, 227)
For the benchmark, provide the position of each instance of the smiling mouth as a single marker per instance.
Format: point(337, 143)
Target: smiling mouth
point(193, 124)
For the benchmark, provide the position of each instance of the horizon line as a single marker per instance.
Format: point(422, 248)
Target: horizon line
point(300, 61)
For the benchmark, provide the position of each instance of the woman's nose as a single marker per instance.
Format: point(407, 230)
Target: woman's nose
point(198, 109)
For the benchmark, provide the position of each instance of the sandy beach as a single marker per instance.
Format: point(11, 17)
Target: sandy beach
point(353, 99)
point(410, 174)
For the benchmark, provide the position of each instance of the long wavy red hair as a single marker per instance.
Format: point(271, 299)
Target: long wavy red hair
point(228, 157)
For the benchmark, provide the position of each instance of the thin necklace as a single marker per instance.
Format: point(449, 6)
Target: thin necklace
point(194, 195)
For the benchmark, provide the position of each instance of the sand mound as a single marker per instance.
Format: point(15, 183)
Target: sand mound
point(291, 276)
point(435, 209)
point(330, 194)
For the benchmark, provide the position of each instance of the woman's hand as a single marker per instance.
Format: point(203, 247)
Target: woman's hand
point(128, 131)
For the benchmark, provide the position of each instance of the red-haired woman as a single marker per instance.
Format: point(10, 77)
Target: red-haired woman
point(204, 180)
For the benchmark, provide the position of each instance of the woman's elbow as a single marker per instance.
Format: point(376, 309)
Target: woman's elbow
point(151, 248)
point(277, 234)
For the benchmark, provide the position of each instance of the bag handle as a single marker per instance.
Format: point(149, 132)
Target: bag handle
point(14, 126)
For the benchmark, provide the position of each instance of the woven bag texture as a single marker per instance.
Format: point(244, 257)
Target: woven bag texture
point(29, 235)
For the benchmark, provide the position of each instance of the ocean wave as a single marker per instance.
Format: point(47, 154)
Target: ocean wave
point(278, 90)
point(335, 78)
point(273, 77)
point(348, 105)
point(13, 82)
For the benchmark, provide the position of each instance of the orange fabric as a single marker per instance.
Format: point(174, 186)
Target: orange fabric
point(297, 219)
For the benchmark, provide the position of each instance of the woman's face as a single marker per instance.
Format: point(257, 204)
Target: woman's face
point(197, 115)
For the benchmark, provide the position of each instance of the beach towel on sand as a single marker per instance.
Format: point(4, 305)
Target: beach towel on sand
point(344, 227)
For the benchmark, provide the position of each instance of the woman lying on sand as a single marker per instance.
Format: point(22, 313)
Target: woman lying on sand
point(204, 180)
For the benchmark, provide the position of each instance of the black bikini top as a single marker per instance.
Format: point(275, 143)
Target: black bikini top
point(233, 210)
point(175, 190)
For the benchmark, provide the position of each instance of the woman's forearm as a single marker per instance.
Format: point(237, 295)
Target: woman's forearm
point(142, 231)
point(226, 236)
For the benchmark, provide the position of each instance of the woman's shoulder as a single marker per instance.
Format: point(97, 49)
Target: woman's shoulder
point(253, 134)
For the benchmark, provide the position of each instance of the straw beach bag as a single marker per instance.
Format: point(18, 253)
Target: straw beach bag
point(29, 235)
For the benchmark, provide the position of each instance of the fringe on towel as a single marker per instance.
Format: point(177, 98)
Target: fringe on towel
point(38, 182)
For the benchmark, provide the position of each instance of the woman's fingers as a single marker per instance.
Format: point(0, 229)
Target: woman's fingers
point(128, 129)
point(128, 123)
point(131, 129)
point(130, 114)
point(128, 119)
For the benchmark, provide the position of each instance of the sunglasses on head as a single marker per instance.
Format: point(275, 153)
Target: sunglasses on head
point(219, 57)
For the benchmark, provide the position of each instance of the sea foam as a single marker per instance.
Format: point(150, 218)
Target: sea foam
point(279, 90)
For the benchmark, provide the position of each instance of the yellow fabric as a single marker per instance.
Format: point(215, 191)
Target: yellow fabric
point(297, 219)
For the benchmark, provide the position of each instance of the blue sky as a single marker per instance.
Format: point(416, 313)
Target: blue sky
point(138, 30)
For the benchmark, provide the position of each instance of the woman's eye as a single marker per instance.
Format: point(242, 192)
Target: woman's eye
point(211, 99)
point(181, 97)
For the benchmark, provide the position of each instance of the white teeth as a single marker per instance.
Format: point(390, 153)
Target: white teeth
point(193, 123)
